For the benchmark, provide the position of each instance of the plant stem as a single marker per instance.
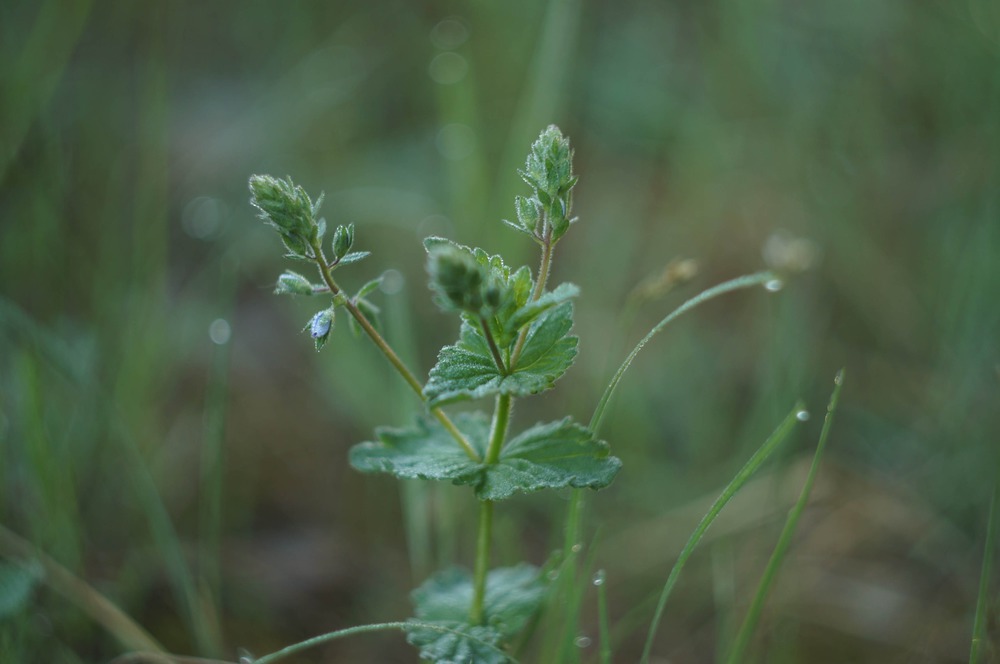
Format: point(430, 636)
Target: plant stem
point(979, 632)
point(324, 269)
point(746, 281)
point(548, 248)
point(501, 418)
point(362, 629)
point(483, 538)
point(498, 431)
point(491, 342)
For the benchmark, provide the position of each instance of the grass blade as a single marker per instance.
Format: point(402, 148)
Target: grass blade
point(741, 478)
point(785, 539)
point(746, 281)
point(979, 625)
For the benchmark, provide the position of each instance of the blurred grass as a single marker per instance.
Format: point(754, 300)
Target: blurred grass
point(127, 133)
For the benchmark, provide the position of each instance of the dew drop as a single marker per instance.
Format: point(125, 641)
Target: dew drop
point(392, 282)
point(577, 548)
point(553, 575)
point(582, 641)
point(600, 577)
point(774, 285)
point(802, 415)
point(219, 331)
point(839, 378)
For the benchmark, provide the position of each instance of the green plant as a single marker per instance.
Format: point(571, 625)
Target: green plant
point(514, 341)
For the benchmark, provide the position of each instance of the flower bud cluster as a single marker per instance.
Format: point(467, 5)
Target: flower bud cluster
point(461, 282)
point(549, 172)
point(288, 209)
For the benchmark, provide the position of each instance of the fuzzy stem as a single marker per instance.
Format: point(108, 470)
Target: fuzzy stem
point(404, 371)
point(498, 431)
point(483, 538)
point(491, 342)
point(548, 248)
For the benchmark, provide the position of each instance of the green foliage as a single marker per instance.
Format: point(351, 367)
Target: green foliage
point(288, 209)
point(292, 283)
point(466, 370)
point(546, 456)
point(549, 172)
point(513, 596)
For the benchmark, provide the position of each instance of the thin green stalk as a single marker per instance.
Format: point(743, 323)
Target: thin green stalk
point(483, 540)
point(979, 637)
point(498, 432)
point(363, 629)
point(213, 460)
point(741, 478)
point(544, 267)
point(492, 343)
point(95, 605)
point(746, 281)
point(736, 653)
point(603, 622)
point(404, 371)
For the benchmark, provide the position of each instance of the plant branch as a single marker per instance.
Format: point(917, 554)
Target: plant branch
point(394, 359)
point(548, 248)
point(494, 350)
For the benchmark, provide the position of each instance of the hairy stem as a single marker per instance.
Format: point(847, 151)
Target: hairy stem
point(498, 431)
point(394, 359)
point(482, 568)
point(494, 350)
point(548, 248)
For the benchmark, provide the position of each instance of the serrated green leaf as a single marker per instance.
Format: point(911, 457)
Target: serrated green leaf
point(466, 370)
point(425, 451)
point(513, 596)
point(546, 456)
point(550, 456)
point(16, 584)
point(531, 310)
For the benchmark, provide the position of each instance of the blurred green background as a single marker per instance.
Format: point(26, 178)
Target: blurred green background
point(169, 435)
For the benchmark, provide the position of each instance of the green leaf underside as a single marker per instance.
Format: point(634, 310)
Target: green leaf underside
point(466, 370)
point(513, 596)
point(546, 456)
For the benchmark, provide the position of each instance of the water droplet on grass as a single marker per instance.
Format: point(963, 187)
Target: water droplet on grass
point(553, 575)
point(774, 285)
point(802, 415)
point(577, 548)
point(219, 331)
point(599, 577)
point(582, 641)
